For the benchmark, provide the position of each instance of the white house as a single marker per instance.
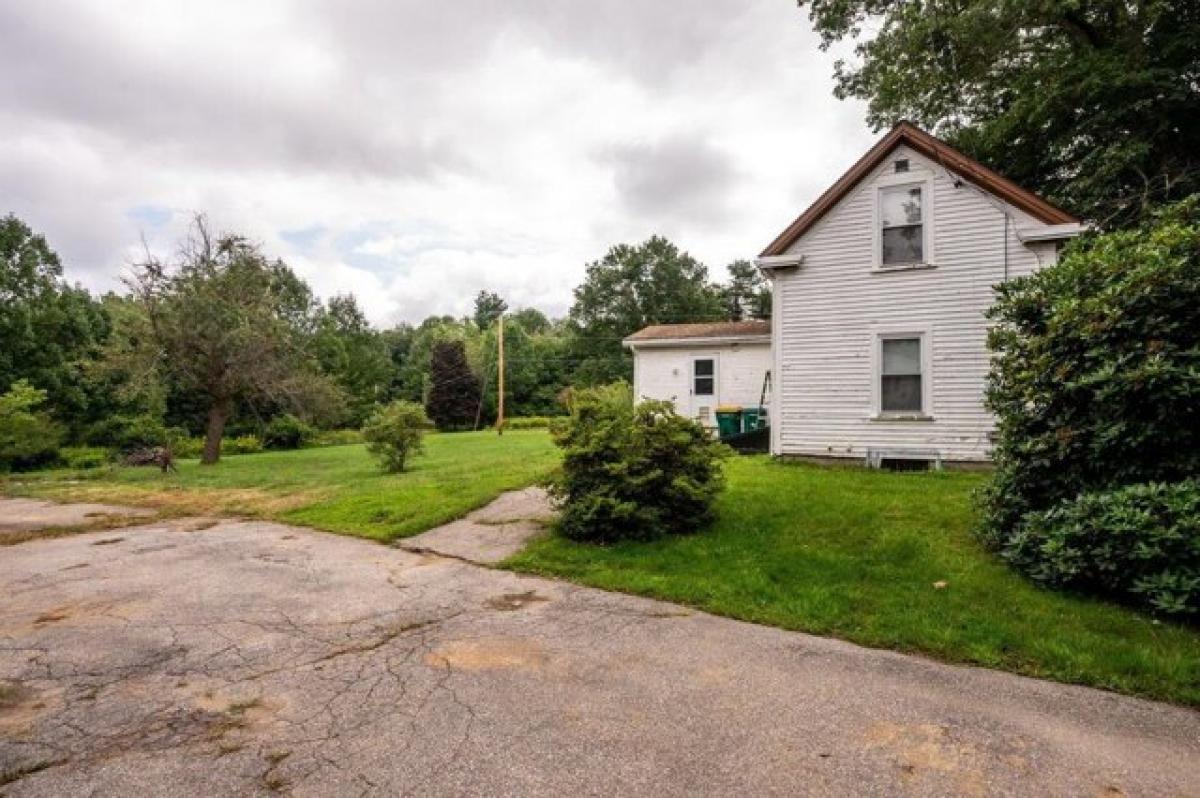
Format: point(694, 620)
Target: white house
point(879, 338)
point(878, 350)
point(701, 366)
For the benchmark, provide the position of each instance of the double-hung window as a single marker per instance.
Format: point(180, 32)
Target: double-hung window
point(703, 377)
point(902, 225)
point(901, 375)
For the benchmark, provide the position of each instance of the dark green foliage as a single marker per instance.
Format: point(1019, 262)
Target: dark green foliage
point(535, 365)
point(126, 433)
point(1096, 380)
point(394, 434)
point(488, 307)
point(287, 432)
point(28, 436)
point(748, 295)
point(453, 400)
point(1094, 104)
point(627, 289)
point(357, 357)
point(633, 472)
point(48, 329)
point(1139, 544)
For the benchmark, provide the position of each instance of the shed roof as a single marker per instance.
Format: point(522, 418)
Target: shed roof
point(931, 147)
point(706, 329)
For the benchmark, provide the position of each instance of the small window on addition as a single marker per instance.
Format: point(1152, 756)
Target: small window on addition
point(901, 165)
point(703, 377)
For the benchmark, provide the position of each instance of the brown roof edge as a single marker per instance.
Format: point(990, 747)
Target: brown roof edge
point(717, 329)
point(931, 147)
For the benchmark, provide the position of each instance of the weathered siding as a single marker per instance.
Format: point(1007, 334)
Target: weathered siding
point(829, 312)
point(665, 373)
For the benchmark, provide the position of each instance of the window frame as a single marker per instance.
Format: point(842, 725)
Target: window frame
point(887, 182)
point(694, 376)
point(923, 334)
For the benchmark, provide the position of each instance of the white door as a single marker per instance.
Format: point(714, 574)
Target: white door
point(704, 389)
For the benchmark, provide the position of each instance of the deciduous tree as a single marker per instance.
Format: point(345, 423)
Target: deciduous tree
point(1095, 104)
point(355, 355)
point(627, 289)
point(230, 325)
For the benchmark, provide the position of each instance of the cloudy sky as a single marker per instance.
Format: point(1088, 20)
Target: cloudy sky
point(413, 152)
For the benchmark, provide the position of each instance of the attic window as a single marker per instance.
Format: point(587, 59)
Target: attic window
point(901, 165)
point(902, 235)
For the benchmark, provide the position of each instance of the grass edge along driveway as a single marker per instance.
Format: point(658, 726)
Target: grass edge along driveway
point(862, 556)
point(337, 489)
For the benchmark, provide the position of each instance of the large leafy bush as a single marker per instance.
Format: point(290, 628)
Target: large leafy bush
point(127, 433)
point(287, 432)
point(28, 437)
point(1140, 543)
point(394, 433)
point(1096, 379)
point(633, 472)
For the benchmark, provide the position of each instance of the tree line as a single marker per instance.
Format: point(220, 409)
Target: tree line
point(221, 340)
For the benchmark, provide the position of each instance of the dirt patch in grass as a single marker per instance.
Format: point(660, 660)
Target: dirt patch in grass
point(174, 501)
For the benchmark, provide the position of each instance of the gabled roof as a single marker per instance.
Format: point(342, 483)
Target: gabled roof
point(708, 329)
point(935, 149)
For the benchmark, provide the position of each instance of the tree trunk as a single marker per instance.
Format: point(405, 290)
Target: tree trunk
point(218, 413)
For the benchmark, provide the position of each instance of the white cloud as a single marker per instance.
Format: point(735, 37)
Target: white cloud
point(413, 153)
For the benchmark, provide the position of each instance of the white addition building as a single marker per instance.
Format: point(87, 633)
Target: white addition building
point(878, 346)
point(702, 366)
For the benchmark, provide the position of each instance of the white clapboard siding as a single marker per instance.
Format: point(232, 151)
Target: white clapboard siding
point(665, 373)
point(830, 310)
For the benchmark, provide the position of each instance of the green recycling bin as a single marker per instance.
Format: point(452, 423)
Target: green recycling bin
point(729, 421)
point(751, 418)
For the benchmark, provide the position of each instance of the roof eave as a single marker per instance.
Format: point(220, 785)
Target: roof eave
point(710, 340)
point(1052, 232)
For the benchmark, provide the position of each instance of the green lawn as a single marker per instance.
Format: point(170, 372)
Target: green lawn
point(855, 554)
point(336, 488)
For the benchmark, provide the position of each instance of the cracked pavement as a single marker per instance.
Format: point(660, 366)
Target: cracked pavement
point(236, 657)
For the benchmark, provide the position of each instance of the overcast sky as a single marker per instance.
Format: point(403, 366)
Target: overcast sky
point(414, 152)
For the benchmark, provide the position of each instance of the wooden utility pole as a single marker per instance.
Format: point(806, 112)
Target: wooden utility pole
point(500, 375)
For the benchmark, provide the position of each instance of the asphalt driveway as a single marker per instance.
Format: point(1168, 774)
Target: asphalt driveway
point(220, 658)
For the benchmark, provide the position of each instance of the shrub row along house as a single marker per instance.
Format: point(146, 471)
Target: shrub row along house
point(877, 347)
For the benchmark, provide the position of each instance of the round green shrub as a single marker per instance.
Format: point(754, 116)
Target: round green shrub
point(394, 433)
point(633, 472)
point(287, 432)
point(1139, 544)
point(1096, 376)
